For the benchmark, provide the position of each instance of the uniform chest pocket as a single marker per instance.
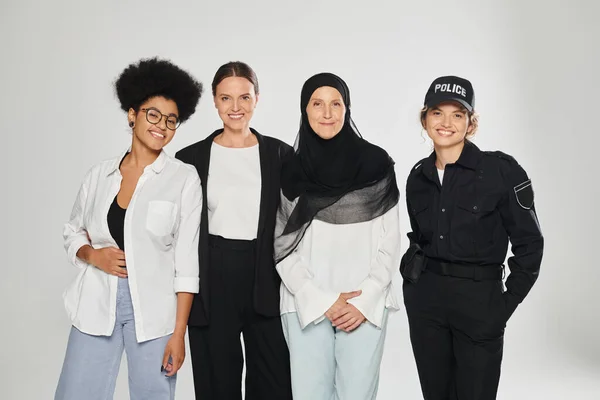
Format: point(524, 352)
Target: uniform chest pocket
point(161, 217)
point(477, 206)
point(477, 217)
point(421, 213)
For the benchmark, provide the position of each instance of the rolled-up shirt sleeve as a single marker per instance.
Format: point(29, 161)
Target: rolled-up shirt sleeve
point(187, 236)
point(74, 233)
point(371, 302)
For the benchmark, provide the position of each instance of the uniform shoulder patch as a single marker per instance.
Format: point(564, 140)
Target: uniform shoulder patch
point(524, 194)
point(515, 173)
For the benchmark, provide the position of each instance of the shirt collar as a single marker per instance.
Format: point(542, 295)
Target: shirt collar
point(469, 158)
point(157, 166)
point(428, 167)
point(470, 155)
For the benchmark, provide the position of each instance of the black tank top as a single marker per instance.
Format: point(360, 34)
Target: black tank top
point(116, 223)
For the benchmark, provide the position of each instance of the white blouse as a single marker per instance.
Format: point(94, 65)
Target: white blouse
point(332, 259)
point(161, 230)
point(233, 192)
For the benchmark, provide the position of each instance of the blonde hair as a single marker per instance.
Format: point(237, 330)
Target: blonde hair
point(472, 116)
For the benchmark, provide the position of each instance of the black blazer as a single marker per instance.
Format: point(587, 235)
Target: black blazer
point(266, 283)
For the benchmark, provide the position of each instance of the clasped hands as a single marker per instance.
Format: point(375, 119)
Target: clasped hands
point(344, 315)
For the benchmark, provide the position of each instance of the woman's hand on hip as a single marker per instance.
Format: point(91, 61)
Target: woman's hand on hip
point(108, 259)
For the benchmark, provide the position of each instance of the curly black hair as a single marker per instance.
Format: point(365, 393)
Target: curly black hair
point(154, 77)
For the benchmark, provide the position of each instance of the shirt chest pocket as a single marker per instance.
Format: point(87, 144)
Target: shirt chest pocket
point(422, 214)
point(160, 219)
point(477, 218)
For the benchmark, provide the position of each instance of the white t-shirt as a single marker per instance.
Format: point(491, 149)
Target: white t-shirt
point(441, 175)
point(331, 259)
point(233, 192)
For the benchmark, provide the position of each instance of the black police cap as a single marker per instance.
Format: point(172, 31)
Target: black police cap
point(450, 88)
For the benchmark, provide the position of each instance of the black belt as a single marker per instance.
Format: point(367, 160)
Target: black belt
point(468, 271)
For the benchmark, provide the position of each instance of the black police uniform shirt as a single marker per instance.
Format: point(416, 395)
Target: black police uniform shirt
point(486, 198)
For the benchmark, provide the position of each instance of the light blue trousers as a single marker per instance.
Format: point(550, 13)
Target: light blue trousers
point(92, 362)
point(329, 364)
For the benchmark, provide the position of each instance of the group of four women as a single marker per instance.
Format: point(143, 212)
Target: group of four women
point(294, 248)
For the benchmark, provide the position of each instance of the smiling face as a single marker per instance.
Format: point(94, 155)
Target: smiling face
point(447, 124)
point(153, 136)
point(235, 100)
point(326, 112)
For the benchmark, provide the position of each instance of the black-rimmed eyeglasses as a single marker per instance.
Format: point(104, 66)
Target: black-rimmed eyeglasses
point(154, 116)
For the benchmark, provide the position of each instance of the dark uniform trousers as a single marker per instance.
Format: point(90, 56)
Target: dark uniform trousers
point(216, 350)
point(456, 330)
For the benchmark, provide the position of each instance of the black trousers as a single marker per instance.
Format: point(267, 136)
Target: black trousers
point(457, 334)
point(216, 351)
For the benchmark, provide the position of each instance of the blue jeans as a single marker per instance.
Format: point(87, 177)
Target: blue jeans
point(92, 362)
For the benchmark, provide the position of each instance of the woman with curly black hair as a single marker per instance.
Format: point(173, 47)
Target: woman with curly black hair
point(133, 235)
point(239, 286)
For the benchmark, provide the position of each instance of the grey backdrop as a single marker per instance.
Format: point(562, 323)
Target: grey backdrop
point(534, 67)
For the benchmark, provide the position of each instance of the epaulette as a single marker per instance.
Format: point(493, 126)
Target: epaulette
point(501, 155)
point(417, 165)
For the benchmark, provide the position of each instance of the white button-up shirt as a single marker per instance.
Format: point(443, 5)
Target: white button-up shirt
point(161, 230)
point(332, 259)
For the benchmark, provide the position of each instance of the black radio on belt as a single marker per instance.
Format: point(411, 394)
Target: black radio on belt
point(412, 263)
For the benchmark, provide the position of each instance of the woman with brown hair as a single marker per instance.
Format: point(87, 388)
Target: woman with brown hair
point(239, 286)
point(464, 206)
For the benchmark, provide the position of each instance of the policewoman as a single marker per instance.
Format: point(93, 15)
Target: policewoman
point(464, 206)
